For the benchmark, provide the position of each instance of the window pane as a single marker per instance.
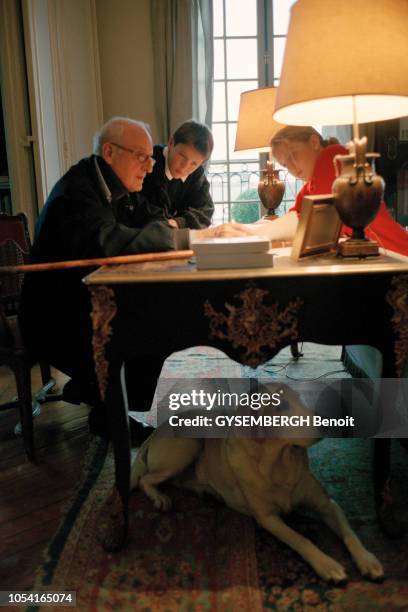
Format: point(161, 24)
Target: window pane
point(244, 192)
point(242, 59)
point(235, 88)
point(247, 176)
point(253, 166)
point(241, 17)
point(219, 59)
point(236, 184)
point(221, 214)
point(220, 141)
point(278, 51)
point(281, 14)
point(232, 130)
point(218, 179)
point(219, 102)
point(218, 18)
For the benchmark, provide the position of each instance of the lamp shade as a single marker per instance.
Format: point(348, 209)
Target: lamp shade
point(255, 123)
point(343, 53)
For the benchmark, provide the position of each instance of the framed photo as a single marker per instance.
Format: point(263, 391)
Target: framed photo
point(318, 229)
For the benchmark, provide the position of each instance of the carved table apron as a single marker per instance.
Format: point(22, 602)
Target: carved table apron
point(162, 307)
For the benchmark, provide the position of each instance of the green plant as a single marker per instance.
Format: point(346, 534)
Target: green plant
point(244, 211)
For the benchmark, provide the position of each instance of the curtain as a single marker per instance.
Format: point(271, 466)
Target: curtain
point(182, 32)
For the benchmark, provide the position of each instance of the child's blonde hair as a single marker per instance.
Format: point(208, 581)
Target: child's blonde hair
point(300, 133)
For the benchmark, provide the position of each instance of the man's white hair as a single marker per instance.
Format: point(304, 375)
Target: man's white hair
point(112, 130)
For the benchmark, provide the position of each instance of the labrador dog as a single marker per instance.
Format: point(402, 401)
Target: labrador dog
point(264, 478)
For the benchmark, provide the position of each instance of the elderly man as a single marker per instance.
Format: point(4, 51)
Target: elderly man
point(89, 213)
point(178, 184)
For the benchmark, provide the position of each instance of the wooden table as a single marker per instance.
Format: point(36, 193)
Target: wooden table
point(249, 314)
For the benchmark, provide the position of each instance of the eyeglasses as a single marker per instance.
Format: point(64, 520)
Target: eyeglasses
point(141, 157)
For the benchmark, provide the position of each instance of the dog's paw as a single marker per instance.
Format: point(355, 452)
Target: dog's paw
point(369, 566)
point(162, 502)
point(329, 569)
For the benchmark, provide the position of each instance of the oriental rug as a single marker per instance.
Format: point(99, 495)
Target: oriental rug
point(201, 556)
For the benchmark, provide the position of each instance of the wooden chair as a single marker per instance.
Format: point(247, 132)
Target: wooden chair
point(15, 247)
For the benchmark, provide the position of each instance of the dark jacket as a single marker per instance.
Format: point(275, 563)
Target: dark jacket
point(189, 202)
point(78, 221)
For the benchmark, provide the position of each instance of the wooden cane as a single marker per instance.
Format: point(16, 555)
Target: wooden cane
point(97, 261)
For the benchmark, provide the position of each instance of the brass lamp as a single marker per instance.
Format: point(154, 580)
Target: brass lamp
point(254, 131)
point(347, 63)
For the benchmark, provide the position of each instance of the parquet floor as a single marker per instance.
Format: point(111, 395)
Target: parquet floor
point(32, 495)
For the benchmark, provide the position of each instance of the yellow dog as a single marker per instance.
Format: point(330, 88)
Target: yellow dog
point(263, 478)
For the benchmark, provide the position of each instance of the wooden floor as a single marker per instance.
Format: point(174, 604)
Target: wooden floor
point(33, 494)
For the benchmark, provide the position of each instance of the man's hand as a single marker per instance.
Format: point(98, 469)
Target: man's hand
point(173, 223)
point(226, 230)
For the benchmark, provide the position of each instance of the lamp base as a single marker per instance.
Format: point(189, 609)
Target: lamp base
point(270, 190)
point(357, 248)
point(270, 216)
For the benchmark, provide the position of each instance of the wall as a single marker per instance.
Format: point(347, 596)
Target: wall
point(126, 59)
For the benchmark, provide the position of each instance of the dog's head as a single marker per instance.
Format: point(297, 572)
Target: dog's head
point(284, 416)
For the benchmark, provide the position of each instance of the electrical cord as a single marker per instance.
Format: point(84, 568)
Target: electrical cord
point(271, 369)
point(324, 375)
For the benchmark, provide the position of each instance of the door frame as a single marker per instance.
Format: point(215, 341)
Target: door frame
point(17, 121)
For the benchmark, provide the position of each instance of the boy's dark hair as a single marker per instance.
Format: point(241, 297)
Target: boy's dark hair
point(196, 134)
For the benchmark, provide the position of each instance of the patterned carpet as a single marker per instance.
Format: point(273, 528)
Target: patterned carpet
point(203, 556)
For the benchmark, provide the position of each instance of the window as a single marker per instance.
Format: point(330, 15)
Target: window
point(249, 42)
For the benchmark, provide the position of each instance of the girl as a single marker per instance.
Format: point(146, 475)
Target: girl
point(306, 155)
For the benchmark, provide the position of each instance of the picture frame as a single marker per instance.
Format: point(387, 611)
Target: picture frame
point(318, 229)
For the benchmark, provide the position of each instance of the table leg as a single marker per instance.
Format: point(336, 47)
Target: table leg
point(104, 310)
point(117, 506)
point(394, 364)
point(385, 506)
